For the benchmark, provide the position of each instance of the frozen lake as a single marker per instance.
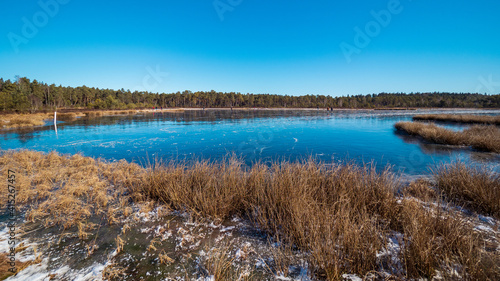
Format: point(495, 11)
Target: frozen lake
point(256, 135)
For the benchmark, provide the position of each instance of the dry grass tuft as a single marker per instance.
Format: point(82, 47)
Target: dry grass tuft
point(475, 188)
point(205, 189)
point(282, 259)
point(421, 189)
point(164, 258)
point(486, 138)
point(219, 264)
point(435, 240)
point(113, 272)
point(459, 118)
point(119, 244)
point(329, 211)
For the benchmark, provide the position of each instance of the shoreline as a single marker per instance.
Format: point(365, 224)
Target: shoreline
point(83, 110)
point(24, 120)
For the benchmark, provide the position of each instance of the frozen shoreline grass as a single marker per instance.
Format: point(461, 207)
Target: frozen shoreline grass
point(480, 137)
point(341, 216)
point(477, 189)
point(459, 118)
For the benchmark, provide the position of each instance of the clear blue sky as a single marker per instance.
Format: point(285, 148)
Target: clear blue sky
point(260, 46)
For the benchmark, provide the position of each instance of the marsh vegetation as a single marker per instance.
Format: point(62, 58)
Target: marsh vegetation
point(459, 118)
point(340, 219)
point(480, 137)
point(38, 119)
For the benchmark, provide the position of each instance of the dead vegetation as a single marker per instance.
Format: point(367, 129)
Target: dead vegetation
point(38, 119)
point(66, 191)
point(341, 215)
point(97, 113)
point(23, 120)
point(480, 137)
point(69, 116)
point(459, 118)
point(472, 187)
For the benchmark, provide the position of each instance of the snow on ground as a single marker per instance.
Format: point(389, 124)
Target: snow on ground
point(351, 277)
point(40, 272)
point(195, 241)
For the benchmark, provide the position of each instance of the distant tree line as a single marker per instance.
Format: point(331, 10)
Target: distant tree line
point(25, 95)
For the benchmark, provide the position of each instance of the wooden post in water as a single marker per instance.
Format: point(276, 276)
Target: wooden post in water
point(55, 120)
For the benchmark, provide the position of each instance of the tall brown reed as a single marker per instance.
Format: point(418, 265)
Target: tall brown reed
point(438, 240)
point(214, 190)
point(474, 187)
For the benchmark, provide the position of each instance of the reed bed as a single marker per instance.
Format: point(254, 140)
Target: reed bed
point(69, 116)
point(97, 113)
point(341, 215)
point(23, 120)
point(67, 191)
point(109, 112)
point(480, 137)
point(459, 118)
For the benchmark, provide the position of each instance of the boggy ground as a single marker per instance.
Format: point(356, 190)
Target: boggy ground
point(87, 219)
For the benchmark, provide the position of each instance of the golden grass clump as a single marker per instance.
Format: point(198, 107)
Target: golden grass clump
point(67, 190)
point(459, 118)
point(219, 264)
point(472, 187)
point(486, 138)
point(421, 189)
point(330, 211)
point(113, 272)
point(437, 240)
point(23, 120)
point(214, 190)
